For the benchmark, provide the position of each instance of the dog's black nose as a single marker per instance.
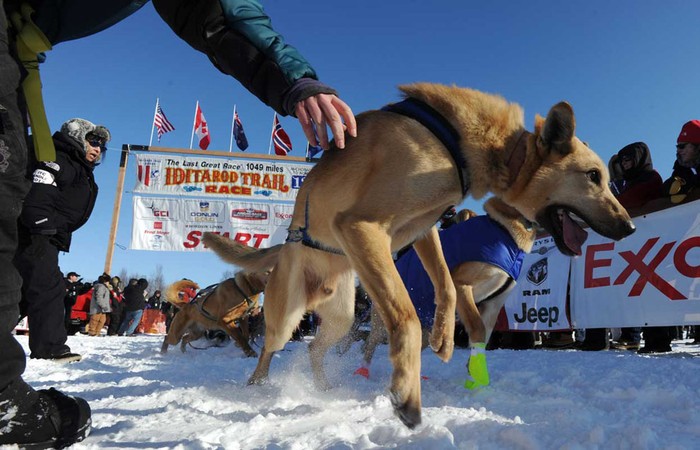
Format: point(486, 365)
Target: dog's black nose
point(629, 228)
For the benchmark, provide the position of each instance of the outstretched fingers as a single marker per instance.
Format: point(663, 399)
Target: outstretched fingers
point(322, 110)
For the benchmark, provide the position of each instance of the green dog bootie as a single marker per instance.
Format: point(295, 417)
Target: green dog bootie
point(478, 370)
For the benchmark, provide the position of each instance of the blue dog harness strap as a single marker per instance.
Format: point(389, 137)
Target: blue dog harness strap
point(436, 124)
point(302, 235)
point(480, 239)
point(440, 127)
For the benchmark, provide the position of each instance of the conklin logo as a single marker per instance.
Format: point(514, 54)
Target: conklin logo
point(538, 272)
point(646, 271)
point(248, 214)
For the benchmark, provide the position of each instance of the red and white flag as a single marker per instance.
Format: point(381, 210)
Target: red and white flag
point(201, 129)
point(280, 139)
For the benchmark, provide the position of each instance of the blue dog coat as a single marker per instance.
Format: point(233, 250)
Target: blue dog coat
point(480, 239)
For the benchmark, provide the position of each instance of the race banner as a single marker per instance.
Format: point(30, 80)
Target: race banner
point(172, 224)
point(538, 301)
point(651, 278)
point(246, 179)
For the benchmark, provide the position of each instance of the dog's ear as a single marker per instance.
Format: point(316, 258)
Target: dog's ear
point(556, 133)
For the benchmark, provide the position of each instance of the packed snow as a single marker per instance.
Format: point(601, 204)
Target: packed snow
point(538, 399)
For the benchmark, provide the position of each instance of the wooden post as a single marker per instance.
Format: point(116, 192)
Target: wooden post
point(117, 208)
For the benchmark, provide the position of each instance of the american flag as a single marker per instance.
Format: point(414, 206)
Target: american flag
point(280, 138)
point(162, 123)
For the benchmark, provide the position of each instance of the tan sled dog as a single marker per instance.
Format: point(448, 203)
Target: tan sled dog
point(224, 308)
point(388, 187)
point(482, 287)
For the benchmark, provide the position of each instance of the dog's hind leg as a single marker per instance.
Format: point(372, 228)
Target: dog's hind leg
point(177, 329)
point(238, 335)
point(195, 333)
point(285, 305)
point(471, 318)
point(430, 253)
point(337, 316)
point(369, 249)
point(469, 314)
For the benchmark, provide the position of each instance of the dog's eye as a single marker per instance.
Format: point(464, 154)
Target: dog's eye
point(594, 176)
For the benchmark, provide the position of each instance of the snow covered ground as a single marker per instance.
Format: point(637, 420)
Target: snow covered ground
point(538, 399)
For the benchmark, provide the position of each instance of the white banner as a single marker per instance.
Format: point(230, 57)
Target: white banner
point(650, 278)
point(538, 301)
point(172, 224)
point(246, 179)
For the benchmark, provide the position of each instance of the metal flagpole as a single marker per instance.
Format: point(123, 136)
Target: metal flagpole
point(272, 133)
point(153, 125)
point(233, 122)
point(193, 123)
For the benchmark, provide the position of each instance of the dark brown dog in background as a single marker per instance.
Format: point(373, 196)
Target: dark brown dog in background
point(226, 308)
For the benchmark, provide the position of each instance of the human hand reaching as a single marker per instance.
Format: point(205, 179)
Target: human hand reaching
point(325, 109)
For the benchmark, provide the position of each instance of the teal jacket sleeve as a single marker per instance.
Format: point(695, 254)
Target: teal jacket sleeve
point(238, 38)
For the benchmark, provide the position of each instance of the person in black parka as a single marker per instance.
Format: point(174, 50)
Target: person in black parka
point(60, 201)
point(134, 304)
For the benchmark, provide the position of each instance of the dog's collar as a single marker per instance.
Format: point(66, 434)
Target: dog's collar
point(515, 158)
point(440, 127)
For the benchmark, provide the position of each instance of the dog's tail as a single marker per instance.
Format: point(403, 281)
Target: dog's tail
point(172, 292)
point(249, 258)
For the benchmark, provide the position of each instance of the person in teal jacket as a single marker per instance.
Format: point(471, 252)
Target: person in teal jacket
point(238, 38)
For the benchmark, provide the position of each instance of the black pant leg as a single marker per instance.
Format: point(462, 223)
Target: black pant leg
point(14, 186)
point(43, 291)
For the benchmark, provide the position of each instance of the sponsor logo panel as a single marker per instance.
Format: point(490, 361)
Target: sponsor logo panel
point(249, 213)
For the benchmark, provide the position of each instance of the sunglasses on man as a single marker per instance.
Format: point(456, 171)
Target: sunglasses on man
point(96, 142)
point(682, 145)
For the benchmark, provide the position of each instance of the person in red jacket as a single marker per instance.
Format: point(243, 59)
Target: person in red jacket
point(634, 180)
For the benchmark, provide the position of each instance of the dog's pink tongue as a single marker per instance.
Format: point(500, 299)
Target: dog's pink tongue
point(574, 235)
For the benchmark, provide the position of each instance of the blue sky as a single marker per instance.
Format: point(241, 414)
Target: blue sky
point(629, 69)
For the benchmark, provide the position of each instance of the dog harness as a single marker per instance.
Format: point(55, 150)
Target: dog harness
point(302, 235)
point(203, 296)
point(430, 119)
point(441, 128)
point(480, 239)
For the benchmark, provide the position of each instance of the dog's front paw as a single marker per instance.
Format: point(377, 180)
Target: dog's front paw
point(407, 412)
point(442, 336)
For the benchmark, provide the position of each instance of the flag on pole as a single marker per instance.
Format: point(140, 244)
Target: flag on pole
point(280, 138)
point(201, 129)
point(312, 150)
point(238, 133)
point(162, 123)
